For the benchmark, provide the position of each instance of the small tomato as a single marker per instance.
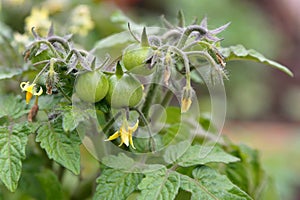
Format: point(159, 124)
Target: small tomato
point(126, 91)
point(136, 60)
point(91, 86)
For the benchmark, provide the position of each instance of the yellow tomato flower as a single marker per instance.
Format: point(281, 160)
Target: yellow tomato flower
point(30, 90)
point(125, 133)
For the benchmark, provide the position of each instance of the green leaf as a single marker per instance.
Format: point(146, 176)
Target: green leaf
point(9, 73)
point(209, 184)
point(12, 107)
point(121, 39)
point(173, 152)
point(159, 185)
point(239, 52)
point(60, 146)
point(70, 122)
point(12, 152)
point(116, 184)
point(249, 174)
point(72, 116)
point(50, 184)
point(114, 161)
point(200, 155)
point(120, 18)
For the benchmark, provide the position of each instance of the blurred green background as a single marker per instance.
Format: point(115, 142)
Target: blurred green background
point(263, 104)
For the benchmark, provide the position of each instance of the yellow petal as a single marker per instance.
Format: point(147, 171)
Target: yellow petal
point(39, 93)
point(125, 137)
point(114, 136)
point(23, 85)
point(131, 142)
point(29, 88)
point(121, 143)
point(28, 97)
point(185, 104)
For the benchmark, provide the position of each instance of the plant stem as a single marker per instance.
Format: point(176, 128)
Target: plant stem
point(144, 120)
point(41, 72)
point(111, 122)
point(187, 33)
point(63, 93)
point(51, 47)
point(151, 94)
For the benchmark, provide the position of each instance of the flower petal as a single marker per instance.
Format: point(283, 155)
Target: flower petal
point(131, 142)
point(114, 136)
point(125, 137)
point(39, 93)
point(28, 97)
point(23, 85)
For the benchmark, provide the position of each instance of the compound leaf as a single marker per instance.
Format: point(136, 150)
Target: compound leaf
point(159, 185)
point(209, 184)
point(239, 52)
point(12, 152)
point(200, 155)
point(12, 106)
point(60, 146)
point(116, 184)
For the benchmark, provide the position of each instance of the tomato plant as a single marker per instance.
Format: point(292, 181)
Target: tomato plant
point(149, 143)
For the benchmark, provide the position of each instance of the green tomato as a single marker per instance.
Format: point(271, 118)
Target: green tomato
point(91, 86)
point(135, 60)
point(126, 91)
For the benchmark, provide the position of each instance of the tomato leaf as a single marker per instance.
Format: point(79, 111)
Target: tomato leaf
point(209, 184)
point(200, 155)
point(12, 107)
point(239, 52)
point(12, 152)
point(9, 73)
point(249, 174)
point(114, 161)
point(60, 146)
point(174, 152)
point(116, 184)
point(159, 185)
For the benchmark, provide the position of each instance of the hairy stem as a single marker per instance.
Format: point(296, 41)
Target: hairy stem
point(145, 121)
point(187, 33)
point(151, 94)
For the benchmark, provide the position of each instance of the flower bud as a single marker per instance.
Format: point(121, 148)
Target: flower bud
point(186, 99)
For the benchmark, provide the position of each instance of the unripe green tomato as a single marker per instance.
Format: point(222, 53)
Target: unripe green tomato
point(91, 86)
point(126, 91)
point(134, 60)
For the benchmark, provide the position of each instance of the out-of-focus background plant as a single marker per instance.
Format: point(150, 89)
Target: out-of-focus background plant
point(263, 104)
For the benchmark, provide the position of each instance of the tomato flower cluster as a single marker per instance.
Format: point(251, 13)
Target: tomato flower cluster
point(159, 56)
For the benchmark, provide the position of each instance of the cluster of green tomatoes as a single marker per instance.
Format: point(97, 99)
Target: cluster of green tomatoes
point(119, 89)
